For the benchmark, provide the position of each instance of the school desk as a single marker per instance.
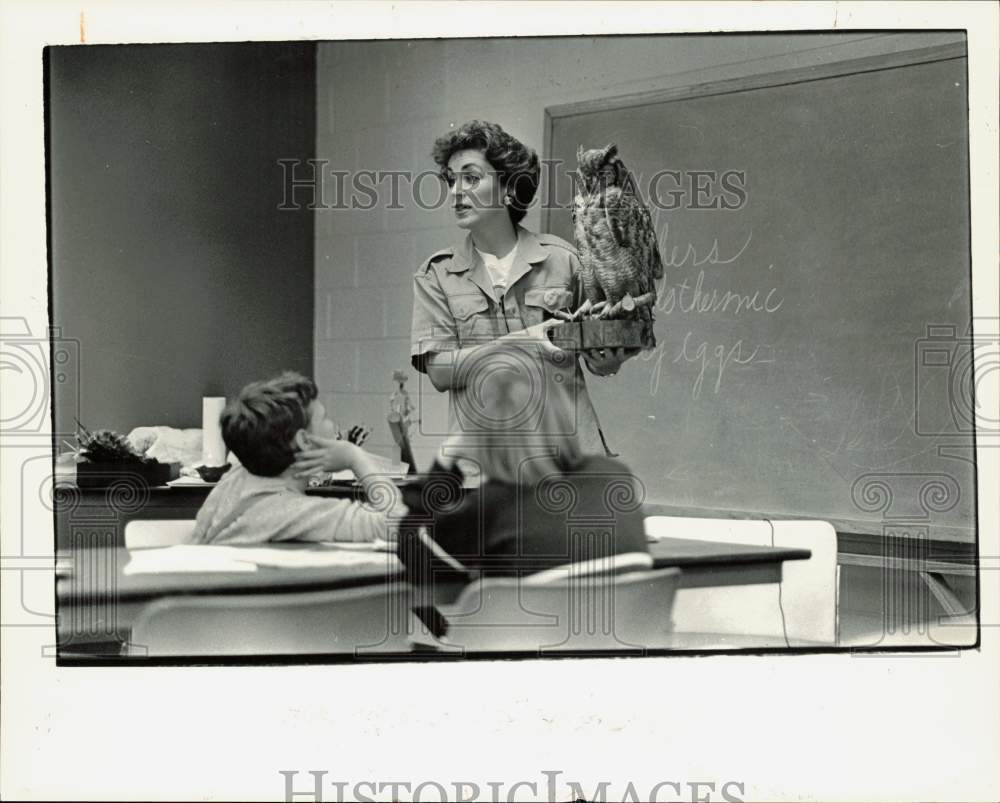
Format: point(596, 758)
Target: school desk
point(98, 601)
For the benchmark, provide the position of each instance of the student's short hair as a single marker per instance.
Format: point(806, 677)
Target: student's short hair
point(516, 164)
point(259, 425)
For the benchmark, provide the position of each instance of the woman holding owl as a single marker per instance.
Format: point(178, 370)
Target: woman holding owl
point(486, 304)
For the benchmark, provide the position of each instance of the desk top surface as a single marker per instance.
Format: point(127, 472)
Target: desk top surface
point(202, 489)
point(100, 571)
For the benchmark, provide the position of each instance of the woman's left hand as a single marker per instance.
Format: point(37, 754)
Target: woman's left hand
point(607, 362)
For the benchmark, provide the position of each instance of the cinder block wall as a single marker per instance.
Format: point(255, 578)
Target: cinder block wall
point(380, 106)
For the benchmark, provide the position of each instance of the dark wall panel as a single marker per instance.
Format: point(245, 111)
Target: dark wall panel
point(172, 265)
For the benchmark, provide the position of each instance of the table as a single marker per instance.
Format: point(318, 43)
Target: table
point(97, 601)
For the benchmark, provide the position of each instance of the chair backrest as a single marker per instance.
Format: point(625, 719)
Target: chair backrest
point(146, 533)
point(565, 609)
point(803, 607)
point(351, 621)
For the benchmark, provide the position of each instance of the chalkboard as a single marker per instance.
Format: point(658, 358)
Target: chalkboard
point(813, 324)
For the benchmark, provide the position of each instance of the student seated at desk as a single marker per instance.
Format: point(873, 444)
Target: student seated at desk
point(540, 502)
point(269, 426)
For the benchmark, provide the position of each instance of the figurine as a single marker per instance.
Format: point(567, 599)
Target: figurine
point(400, 420)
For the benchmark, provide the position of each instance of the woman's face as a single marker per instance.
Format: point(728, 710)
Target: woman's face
point(476, 193)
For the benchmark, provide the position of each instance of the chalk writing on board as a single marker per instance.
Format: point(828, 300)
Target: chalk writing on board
point(712, 360)
point(676, 256)
point(681, 297)
point(711, 357)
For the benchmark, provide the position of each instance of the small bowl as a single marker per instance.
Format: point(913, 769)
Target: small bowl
point(212, 473)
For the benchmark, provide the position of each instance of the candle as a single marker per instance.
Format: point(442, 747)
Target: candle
point(213, 448)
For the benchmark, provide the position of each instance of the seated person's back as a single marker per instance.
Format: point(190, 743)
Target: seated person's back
point(584, 510)
point(541, 503)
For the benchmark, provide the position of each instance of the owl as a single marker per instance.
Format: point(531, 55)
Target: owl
point(614, 234)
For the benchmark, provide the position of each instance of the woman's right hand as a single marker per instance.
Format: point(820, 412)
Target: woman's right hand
point(537, 334)
point(449, 370)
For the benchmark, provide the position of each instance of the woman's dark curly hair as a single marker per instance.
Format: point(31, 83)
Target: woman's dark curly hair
point(516, 164)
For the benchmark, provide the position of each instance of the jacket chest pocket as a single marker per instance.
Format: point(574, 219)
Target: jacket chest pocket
point(540, 303)
point(472, 318)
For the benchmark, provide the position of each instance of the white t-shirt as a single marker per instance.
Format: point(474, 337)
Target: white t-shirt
point(499, 269)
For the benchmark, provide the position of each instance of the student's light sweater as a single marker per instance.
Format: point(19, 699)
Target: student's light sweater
point(247, 509)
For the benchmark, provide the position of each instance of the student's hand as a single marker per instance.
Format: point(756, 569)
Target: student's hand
point(607, 362)
point(326, 454)
point(537, 334)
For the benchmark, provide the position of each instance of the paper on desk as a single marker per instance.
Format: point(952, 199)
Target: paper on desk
point(188, 558)
point(319, 556)
point(384, 467)
point(187, 480)
point(218, 558)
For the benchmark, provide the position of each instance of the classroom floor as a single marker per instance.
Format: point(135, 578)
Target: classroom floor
point(860, 631)
point(876, 614)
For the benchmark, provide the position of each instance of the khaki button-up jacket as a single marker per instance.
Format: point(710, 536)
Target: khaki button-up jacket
point(455, 306)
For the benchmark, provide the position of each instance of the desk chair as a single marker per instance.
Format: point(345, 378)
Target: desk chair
point(358, 621)
point(801, 609)
point(577, 608)
point(147, 533)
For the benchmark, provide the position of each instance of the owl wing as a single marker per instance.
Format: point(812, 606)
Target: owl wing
point(632, 227)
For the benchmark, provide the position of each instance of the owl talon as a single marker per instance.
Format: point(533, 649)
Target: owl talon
point(598, 308)
point(583, 310)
